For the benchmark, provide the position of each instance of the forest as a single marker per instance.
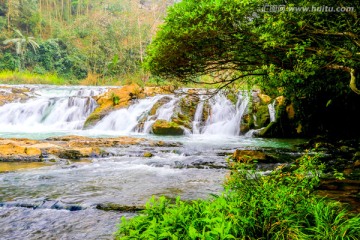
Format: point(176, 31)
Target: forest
point(100, 41)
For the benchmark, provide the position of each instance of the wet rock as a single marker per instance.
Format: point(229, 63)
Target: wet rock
point(158, 104)
point(290, 111)
point(264, 99)
point(262, 116)
point(118, 207)
point(70, 154)
point(162, 127)
point(12, 152)
point(152, 91)
point(147, 154)
point(247, 156)
point(112, 100)
point(357, 164)
point(11, 94)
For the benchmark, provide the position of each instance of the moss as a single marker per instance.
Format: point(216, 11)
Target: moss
point(262, 116)
point(148, 154)
point(162, 127)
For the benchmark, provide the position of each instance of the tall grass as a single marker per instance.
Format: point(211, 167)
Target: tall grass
point(11, 77)
point(282, 205)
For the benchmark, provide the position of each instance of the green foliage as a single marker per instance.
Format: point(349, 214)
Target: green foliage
point(309, 55)
point(115, 99)
point(78, 38)
point(281, 205)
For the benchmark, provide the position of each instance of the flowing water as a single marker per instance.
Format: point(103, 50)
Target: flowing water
point(67, 200)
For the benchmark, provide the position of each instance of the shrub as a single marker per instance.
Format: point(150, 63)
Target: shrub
point(281, 205)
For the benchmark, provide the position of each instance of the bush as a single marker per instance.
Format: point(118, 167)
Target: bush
point(281, 205)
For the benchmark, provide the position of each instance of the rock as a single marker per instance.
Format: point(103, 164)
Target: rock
point(264, 99)
point(290, 111)
point(152, 91)
point(357, 163)
point(163, 127)
point(247, 156)
point(280, 100)
point(107, 102)
point(70, 154)
point(13, 152)
point(262, 116)
point(158, 104)
point(11, 94)
point(118, 207)
point(147, 154)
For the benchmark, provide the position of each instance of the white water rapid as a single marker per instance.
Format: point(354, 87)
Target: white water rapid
point(272, 111)
point(225, 118)
point(49, 109)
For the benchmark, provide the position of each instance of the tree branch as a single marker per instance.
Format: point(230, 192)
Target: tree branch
point(352, 76)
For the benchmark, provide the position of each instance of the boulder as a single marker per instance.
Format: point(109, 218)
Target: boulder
point(114, 99)
point(163, 127)
point(13, 152)
point(247, 156)
point(264, 99)
point(262, 116)
point(152, 91)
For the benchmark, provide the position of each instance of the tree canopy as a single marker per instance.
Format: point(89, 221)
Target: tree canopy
point(298, 46)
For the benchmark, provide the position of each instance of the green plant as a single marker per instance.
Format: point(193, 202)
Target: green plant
point(115, 99)
point(281, 205)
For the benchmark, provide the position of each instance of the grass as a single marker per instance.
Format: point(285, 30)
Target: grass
point(282, 205)
point(11, 77)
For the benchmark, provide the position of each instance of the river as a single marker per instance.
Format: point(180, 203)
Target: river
point(86, 198)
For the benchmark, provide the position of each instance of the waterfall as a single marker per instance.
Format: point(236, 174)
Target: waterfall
point(165, 112)
point(225, 118)
point(125, 120)
point(49, 109)
point(272, 111)
point(198, 117)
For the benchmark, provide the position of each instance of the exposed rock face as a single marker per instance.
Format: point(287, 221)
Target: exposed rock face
point(152, 91)
point(163, 127)
point(11, 94)
point(247, 156)
point(264, 99)
point(68, 147)
point(114, 99)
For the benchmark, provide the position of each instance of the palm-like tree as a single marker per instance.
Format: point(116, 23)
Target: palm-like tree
point(21, 45)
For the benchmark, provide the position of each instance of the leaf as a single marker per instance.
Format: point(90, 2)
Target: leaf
point(329, 102)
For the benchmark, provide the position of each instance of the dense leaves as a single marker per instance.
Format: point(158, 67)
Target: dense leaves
point(308, 54)
point(281, 205)
point(78, 38)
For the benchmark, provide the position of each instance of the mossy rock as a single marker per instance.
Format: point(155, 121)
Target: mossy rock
point(262, 116)
point(148, 154)
point(158, 104)
point(70, 154)
point(112, 100)
point(188, 107)
point(163, 127)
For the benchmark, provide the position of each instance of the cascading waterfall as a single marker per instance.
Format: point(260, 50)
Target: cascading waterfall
point(164, 112)
point(49, 109)
point(272, 111)
point(125, 120)
point(198, 117)
point(225, 118)
point(52, 109)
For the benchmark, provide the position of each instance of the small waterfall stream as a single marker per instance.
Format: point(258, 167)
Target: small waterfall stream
point(198, 117)
point(125, 120)
point(225, 118)
point(272, 111)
